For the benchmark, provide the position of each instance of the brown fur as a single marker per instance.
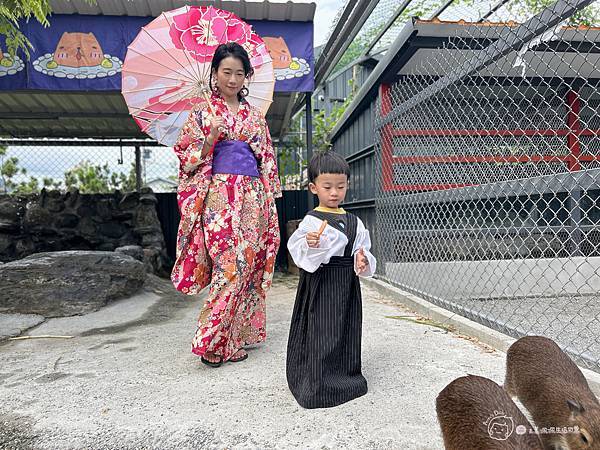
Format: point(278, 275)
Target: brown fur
point(553, 389)
point(78, 50)
point(476, 414)
point(279, 51)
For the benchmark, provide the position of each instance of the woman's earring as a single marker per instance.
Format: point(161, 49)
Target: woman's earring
point(244, 91)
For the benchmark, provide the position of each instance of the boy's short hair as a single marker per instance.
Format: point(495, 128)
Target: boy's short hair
point(327, 161)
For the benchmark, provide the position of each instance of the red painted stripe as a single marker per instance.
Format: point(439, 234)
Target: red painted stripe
point(573, 109)
point(466, 132)
point(476, 159)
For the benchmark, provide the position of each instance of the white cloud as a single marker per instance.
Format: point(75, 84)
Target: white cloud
point(324, 17)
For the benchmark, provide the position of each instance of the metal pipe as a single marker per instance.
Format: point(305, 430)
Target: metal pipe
point(309, 144)
point(138, 168)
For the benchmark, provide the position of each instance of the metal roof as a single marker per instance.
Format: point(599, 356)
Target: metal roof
point(65, 114)
point(91, 115)
point(421, 40)
point(248, 10)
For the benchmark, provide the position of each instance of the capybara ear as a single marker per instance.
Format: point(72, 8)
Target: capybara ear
point(575, 408)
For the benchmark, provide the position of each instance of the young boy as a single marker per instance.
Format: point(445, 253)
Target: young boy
point(331, 247)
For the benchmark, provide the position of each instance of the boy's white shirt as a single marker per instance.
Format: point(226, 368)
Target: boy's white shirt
point(332, 243)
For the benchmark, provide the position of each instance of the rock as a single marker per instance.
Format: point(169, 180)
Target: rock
point(148, 199)
point(68, 283)
point(129, 201)
point(8, 226)
point(87, 228)
point(71, 197)
point(122, 216)
point(9, 209)
point(151, 259)
point(37, 218)
point(112, 230)
point(104, 208)
point(10, 221)
point(53, 201)
point(155, 239)
point(135, 251)
point(14, 324)
point(6, 244)
point(67, 221)
point(86, 211)
point(147, 222)
point(24, 247)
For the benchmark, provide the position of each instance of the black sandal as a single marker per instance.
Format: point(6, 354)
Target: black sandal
point(212, 363)
point(240, 359)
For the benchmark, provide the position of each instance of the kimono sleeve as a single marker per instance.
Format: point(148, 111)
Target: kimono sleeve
point(305, 257)
point(363, 240)
point(190, 142)
point(269, 171)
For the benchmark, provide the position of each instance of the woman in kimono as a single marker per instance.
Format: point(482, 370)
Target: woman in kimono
point(332, 248)
point(228, 235)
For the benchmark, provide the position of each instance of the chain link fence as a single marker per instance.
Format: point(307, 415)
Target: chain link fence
point(488, 156)
point(92, 166)
point(103, 166)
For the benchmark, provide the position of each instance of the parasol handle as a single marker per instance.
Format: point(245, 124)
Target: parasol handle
point(210, 109)
point(207, 98)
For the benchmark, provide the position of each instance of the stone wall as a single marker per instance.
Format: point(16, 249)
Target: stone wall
point(56, 221)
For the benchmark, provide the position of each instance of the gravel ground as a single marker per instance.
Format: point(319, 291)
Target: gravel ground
point(127, 380)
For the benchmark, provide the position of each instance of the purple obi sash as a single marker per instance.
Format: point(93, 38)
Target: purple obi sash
point(234, 158)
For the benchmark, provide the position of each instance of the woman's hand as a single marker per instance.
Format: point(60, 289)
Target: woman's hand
point(217, 126)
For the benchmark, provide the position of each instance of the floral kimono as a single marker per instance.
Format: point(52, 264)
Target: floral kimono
point(229, 234)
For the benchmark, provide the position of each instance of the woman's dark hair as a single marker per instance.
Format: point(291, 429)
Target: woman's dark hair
point(234, 50)
point(327, 162)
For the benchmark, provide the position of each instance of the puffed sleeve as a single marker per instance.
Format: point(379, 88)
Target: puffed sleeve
point(191, 140)
point(268, 167)
point(363, 240)
point(310, 258)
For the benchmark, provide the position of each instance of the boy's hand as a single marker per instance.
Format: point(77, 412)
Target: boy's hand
point(361, 261)
point(312, 239)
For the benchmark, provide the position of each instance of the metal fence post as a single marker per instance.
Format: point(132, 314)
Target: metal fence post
point(488, 167)
point(309, 143)
point(138, 168)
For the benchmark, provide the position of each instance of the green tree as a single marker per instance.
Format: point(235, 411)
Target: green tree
point(416, 8)
point(289, 156)
point(30, 186)
point(12, 11)
point(588, 16)
point(9, 169)
point(291, 164)
point(323, 124)
point(90, 178)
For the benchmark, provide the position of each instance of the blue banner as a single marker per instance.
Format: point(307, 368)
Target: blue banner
point(290, 45)
point(86, 53)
